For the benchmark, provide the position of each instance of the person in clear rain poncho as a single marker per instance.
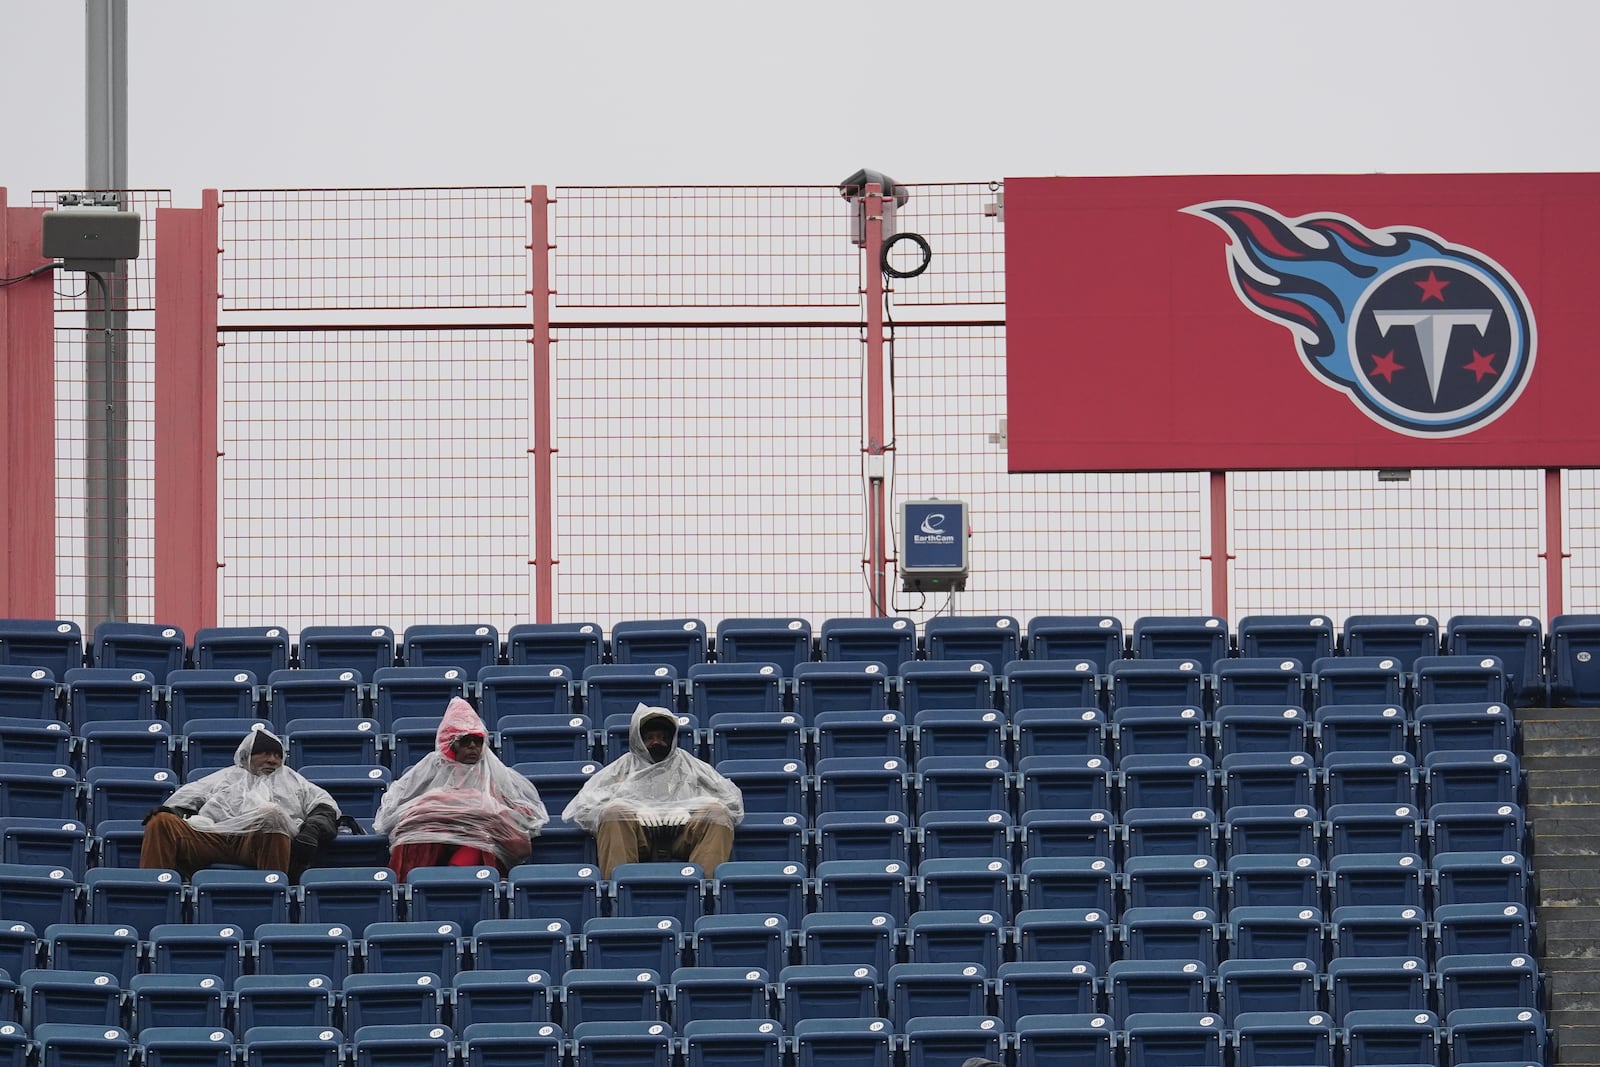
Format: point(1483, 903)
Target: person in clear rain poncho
point(658, 789)
point(258, 813)
point(460, 806)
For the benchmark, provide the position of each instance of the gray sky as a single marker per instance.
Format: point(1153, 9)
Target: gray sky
point(404, 92)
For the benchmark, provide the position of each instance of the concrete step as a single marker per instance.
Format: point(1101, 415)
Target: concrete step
point(1564, 763)
point(1556, 794)
point(1532, 715)
point(1572, 743)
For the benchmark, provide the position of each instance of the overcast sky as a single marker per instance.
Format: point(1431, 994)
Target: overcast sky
point(404, 92)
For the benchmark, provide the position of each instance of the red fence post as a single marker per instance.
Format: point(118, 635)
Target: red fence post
point(28, 404)
point(1555, 546)
point(874, 453)
point(1220, 556)
point(186, 402)
point(541, 417)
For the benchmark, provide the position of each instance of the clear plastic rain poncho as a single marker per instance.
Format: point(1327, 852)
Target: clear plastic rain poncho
point(486, 804)
point(236, 801)
point(673, 790)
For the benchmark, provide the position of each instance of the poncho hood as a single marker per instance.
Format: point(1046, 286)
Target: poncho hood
point(233, 800)
point(460, 720)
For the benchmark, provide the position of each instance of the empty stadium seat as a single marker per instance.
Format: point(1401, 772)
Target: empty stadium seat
point(284, 1000)
point(1360, 983)
point(861, 1042)
point(1381, 1035)
point(177, 948)
point(543, 945)
point(723, 993)
point(1166, 933)
point(838, 938)
point(413, 948)
point(1390, 930)
point(994, 639)
point(1201, 637)
point(964, 683)
point(409, 692)
point(751, 1042)
point(1279, 1037)
point(387, 999)
point(142, 899)
point(1160, 1038)
point(1043, 1039)
point(1038, 988)
point(781, 641)
point(1361, 728)
point(679, 643)
point(957, 936)
point(567, 891)
point(524, 689)
point(259, 650)
point(735, 687)
point(1266, 828)
point(110, 694)
point(175, 1000)
point(1261, 728)
point(1059, 731)
point(1359, 679)
point(1496, 1035)
point(840, 685)
point(348, 896)
point(889, 641)
point(1266, 985)
point(1056, 684)
point(1487, 980)
point(53, 644)
point(308, 693)
point(139, 646)
point(363, 649)
point(1157, 681)
point(292, 1046)
point(1404, 637)
point(1272, 681)
point(644, 942)
point(1306, 638)
point(304, 948)
point(826, 991)
point(1158, 730)
point(742, 941)
point(1155, 985)
point(466, 646)
point(574, 645)
point(499, 995)
point(605, 995)
point(1275, 932)
point(1464, 727)
point(949, 1041)
point(617, 688)
point(247, 898)
point(1460, 679)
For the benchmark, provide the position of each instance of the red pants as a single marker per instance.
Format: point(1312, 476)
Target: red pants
point(404, 859)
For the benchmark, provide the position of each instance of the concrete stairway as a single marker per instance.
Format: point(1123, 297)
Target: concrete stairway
point(1561, 755)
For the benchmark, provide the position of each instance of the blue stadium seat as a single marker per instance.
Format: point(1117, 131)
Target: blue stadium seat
point(680, 643)
point(751, 1042)
point(1487, 980)
point(257, 649)
point(1391, 930)
point(1157, 681)
point(1356, 679)
point(1496, 1035)
point(1477, 929)
point(596, 994)
point(1404, 637)
point(1517, 641)
point(1258, 829)
point(35, 741)
point(357, 788)
point(1065, 832)
point(784, 642)
point(1306, 638)
point(617, 688)
point(974, 884)
point(574, 645)
point(1261, 728)
point(671, 888)
point(965, 834)
point(772, 836)
point(933, 989)
point(1278, 681)
point(771, 888)
point(755, 735)
point(1481, 878)
point(1464, 727)
point(175, 1000)
point(1182, 933)
point(408, 692)
point(28, 692)
point(1168, 832)
point(1171, 881)
point(466, 646)
point(109, 947)
point(950, 1040)
point(460, 895)
point(304, 948)
point(495, 995)
point(1064, 935)
point(82, 1045)
point(292, 1046)
point(512, 1045)
point(1155, 985)
point(637, 1044)
point(722, 993)
point(541, 738)
point(1369, 778)
point(1575, 660)
point(1274, 932)
point(1201, 637)
point(283, 1000)
point(307, 693)
point(543, 945)
point(1054, 684)
point(558, 781)
point(645, 942)
point(60, 843)
point(1304, 1038)
point(192, 948)
point(1156, 1039)
point(139, 646)
point(1158, 730)
point(864, 885)
point(246, 898)
point(840, 685)
point(110, 694)
point(1097, 638)
point(965, 683)
point(890, 641)
point(142, 899)
point(864, 835)
point(321, 742)
point(37, 895)
point(524, 689)
point(125, 792)
point(958, 732)
point(735, 687)
point(1059, 731)
point(963, 783)
point(742, 941)
point(186, 1046)
point(1461, 679)
point(1271, 984)
point(403, 1045)
point(1039, 988)
point(1374, 828)
point(1164, 781)
point(1268, 778)
point(1361, 983)
point(349, 896)
point(148, 743)
point(19, 950)
point(1068, 882)
point(54, 644)
point(1064, 782)
point(413, 948)
point(839, 938)
point(389, 999)
point(863, 1042)
point(90, 998)
point(1043, 1039)
point(994, 639)
point(566, 891)
point(212, 694)
point(1486, 776)
point(877, 732)
point(1376, 878)
point(363, 649)
point(1382, 1035)
point(826, 991)
point(861, 783)
point(1360, 728)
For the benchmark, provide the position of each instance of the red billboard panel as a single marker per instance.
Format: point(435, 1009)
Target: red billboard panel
point(1302, 322)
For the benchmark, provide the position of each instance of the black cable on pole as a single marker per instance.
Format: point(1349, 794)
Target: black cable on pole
point(915, 238)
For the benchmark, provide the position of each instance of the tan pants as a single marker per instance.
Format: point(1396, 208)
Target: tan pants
point(172, 844)
point(620, 839)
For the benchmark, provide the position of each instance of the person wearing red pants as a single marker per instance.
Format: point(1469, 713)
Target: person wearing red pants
point(460, 806)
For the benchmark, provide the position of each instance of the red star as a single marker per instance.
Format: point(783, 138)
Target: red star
point(1385, 365)
point(1432, 288)
point(1481, 364)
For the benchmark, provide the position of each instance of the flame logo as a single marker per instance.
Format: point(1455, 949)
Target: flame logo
point(1430, 338)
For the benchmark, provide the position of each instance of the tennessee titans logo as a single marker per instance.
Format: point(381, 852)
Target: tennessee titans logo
point(1430, 338)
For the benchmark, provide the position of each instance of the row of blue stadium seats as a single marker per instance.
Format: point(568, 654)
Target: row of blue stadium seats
point(792, 995)
point(1502, 1037)
point(767, 940)
point(1519, 641)
point(91, 694)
